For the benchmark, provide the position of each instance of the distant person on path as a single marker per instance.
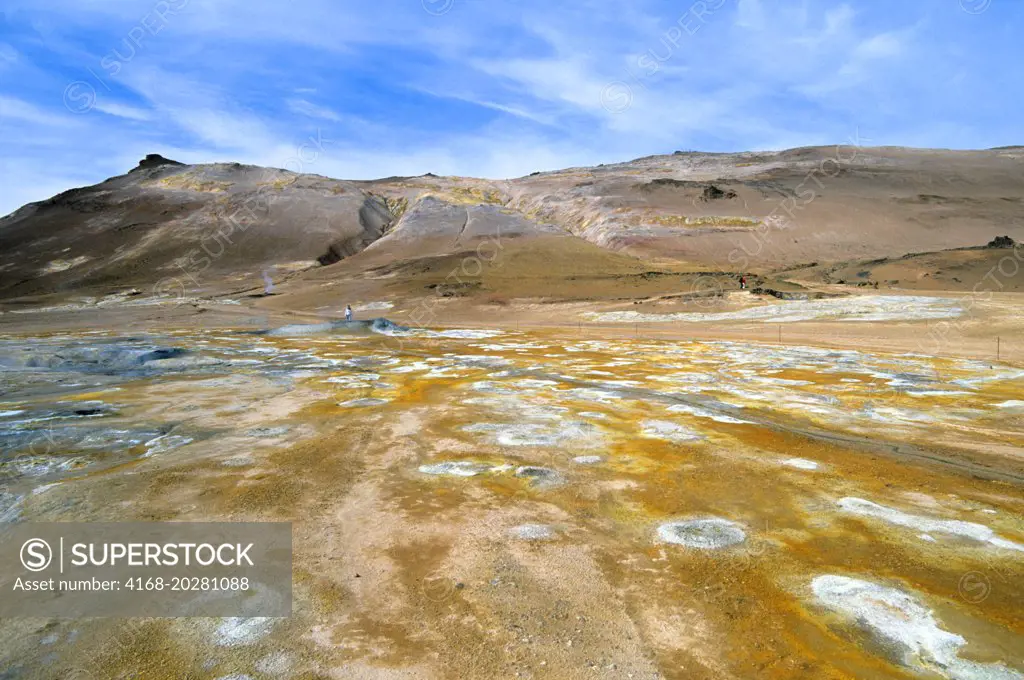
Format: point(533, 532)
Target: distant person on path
point(743, 282)
point(348, 312)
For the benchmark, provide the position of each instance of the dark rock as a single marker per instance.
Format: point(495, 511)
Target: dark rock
point(793, 295)
point(1001, 242)
point(162, 353)
point(667, 182)
point(90, 411)
point(111, 358)
point(713, 193)
point(155, 160)
point(709, 192)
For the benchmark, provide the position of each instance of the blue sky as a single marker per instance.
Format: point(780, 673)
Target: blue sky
point(492, 88)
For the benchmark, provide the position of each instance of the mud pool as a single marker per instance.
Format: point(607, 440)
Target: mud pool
point(478, 504)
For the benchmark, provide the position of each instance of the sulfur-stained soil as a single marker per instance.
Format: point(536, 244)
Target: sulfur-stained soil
point(547, 561)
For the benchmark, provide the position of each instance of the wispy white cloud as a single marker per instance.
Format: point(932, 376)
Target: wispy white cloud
point(15, 109)
point(868, 59)
point(881, 46)
point(750, 14)
point(122, 110)
point(8, 55)
point(533, 111)
point(304, 107)
point(568, 80)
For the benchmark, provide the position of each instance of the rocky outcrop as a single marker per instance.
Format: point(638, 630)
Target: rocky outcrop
point(793, 295)
point(1001, 242)
point(155, 160)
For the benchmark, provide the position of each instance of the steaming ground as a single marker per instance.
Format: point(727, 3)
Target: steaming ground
point(485, 503)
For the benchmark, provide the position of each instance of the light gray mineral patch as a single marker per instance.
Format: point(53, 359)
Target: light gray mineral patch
point(165, 443)
point(673, 432)
point(9, 506)
point(533, 532)
point(276, 665)
point(540, 476)
point(801, 463)
point(238, 632)
point(359, 403)
point(707, 534)
point(267, 432)
point(455, 468)
point(900, 620)
point(971, 530)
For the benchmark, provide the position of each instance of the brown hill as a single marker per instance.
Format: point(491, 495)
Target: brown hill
point(570, 233)
point(200, 223)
